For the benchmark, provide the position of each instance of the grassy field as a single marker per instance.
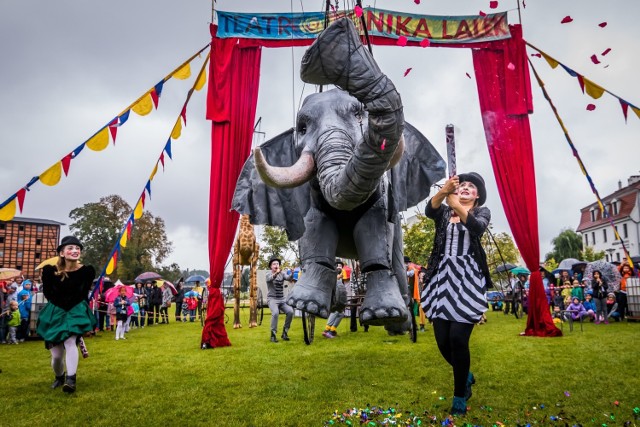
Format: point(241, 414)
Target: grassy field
point(159, 376)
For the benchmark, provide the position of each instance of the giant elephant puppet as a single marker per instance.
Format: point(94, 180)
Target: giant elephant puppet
point(339, 180)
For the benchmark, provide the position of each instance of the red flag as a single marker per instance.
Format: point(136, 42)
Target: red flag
point(142, 198)
point(154, 97)
point(183, 113)
point(581, 82)
point(20, 196)
point(625, 108)
point(66, 161)
point(113, 128)
point(162, 160)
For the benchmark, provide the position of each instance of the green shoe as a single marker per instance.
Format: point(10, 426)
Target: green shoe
point(459, 406)
point(470, 381)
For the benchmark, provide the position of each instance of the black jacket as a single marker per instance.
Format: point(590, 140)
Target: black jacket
point(69, 292)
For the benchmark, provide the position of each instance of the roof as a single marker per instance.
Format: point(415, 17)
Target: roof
point(35, 221)
point(627, 197)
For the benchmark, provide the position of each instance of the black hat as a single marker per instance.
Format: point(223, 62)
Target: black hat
point(475, 179)
point(69, 240)
point(407, 259)
point(339, 261)
point(274, 258)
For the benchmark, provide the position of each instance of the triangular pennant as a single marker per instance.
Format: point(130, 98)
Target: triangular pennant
point(143, 106)
point(99, 141)
point(112, 263)
point(8, 211)
point(592, 89)
point(202, 79)
point(552, 62)
point(123, 239)
point(66, 161)
point(159, 87)
point(569, 70)
point(154, 97)
point(177, 129)
point(20, 196)
point(137, 212)
point(183, 73)
point(581, 82)
point(124, 117)
point(113, 128)
point(183, 113)
point(625, 109)
point(77, 151)
point(129, 226)
point(148, 188)
point(167, 149)
point(52, 175)
point(153, 172)
point(636, 110)
point(162, 160)
point(142, 197)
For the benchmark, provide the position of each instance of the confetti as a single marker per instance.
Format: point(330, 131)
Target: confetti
point(416, 1)
point(594, 59)
point(511, 67)
point(481, 13)
point(591, 107)
point(537, 54)
point(567, 394)
point(468, 75)
point(425, 42)
point(566, 20)
point(607, 50)
point(616, 403)
point(602, 24)
point(384, 144)
point(493, 4)
point(358, 11)
point(408, 70)
point(524, 5)
point(402, 41)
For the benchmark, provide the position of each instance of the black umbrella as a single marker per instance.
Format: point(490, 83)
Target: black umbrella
point(504, 267)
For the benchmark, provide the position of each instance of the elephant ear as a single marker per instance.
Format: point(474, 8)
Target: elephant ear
point(419, 168)
point(283, 207)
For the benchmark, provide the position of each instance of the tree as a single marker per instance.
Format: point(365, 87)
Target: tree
point(418, 239)
point(589, 254)
point(501, 249)
point(274, 242)
point(568, 244)
point(98, 226)
point(551, 264)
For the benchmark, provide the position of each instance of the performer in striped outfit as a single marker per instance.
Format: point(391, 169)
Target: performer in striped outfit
point(457, 275)
point(275, 299)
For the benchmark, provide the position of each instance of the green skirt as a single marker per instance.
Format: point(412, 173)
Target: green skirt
point(55, 324)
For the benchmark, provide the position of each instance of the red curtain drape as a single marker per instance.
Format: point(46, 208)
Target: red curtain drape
point(504, 89)
point(234, 76)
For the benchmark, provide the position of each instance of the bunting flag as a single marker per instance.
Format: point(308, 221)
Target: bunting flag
point(125, 233)
point(583, 168)
point(100, 140)
point(592, 89)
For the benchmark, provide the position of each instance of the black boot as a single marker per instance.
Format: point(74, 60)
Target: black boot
point(273, 337)
point(58, 382)
point(69, 384)
point(284, 335)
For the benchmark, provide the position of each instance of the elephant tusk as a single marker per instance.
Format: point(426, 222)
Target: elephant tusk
point(397, 155)
point(284, 177)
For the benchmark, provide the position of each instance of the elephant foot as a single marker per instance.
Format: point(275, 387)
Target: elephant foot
point(237, 326)
point(312, 293)
point(253, 324)
point(383, 304)
point(398, 328)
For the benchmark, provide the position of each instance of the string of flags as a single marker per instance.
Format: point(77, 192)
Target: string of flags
point(587, 86)
point(98, 141)
point(603, 210)
point(125, 232)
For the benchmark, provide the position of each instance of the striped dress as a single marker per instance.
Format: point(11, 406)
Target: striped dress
point(456, 290)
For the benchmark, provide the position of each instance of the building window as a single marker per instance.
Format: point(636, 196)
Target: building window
point(618, 257)
point(19, 254)
point(18, 267)
point(2, 226)
point(37, 255)
point(39, 229)
point(615, 208)
point(593, 215)
point(38, 242)
point(593, 237)
point(625, 231)
point(20, 240)
point(1, 253)
point(21, 228)
point(586, 240)
point(1, 239)
point(604, 235)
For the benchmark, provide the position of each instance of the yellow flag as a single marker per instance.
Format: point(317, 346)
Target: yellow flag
point(552, 62)
point(202, 79)
point(592, 89)
point(123, 239)
point(143, 106)
point(153, 173)
point(52, 175)
point(8, 211)
point(637, 111)
point(137, 212)
point(99, 141)
point(110, 266)
point(177, 129)
point(184, 72)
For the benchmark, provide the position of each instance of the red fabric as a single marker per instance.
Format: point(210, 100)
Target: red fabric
point(505, 98)
point(216, 334)
point(231, 105)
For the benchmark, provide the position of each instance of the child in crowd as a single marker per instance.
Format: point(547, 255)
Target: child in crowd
point(612, 308)
point(558, 300)
point(192, 306)
point(590, 306)
point(557, 314)
point(121, 305)
point(14, 321)
point(577, 291)
point(566, 293)
point(576, 310)
point(24, 305)
point(135, 317)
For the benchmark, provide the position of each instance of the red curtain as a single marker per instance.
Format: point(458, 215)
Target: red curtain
point(234, 76)
point(504, 88)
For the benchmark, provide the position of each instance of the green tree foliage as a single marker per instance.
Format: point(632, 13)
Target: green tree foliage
point(501, 249)
point(551, 264)
point(589, 254)
point(274, 242)
point(98, 226)
point(568, 244)
point(418, 239)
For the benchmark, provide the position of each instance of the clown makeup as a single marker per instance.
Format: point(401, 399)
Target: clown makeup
point(71, 252)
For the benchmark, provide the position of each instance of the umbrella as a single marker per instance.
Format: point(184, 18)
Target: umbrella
point(567, 264)
point(609, 273)
point(111, 293)
point(9, 273)
point(191, 294)
point(161, 282)
point(50, 261)
point(520, 270)
point(196, 278)
point(504, 267)
point(149, 275)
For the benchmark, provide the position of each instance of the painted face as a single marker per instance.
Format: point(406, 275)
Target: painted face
point(468, 191)
point(275, 265)
point(71, 252)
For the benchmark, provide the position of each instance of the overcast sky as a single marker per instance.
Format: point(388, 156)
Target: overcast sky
point(68, 67)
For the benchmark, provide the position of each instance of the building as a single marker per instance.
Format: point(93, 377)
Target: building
point(26, 242)
point(624, 208)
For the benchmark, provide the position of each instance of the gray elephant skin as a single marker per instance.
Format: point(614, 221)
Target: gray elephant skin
point(338, 181)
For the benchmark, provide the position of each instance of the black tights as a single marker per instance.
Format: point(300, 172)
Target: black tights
point(453, 342)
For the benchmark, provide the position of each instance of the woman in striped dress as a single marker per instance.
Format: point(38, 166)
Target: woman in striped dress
point(457, 275)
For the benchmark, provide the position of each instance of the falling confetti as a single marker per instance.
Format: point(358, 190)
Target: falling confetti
point(511, 67)
point(425, 42)
point(358, 11)
point(407, 71)
point(567, 394)
point(591, 107)
point(493, 4)
point(524, 5)
point(537, 54)
point(402, 41)
point(468, 75)
point(416, 1)
point(481, 13)
point(602, 24)
point(594, 59)
point(606, 51)
point(566, 20)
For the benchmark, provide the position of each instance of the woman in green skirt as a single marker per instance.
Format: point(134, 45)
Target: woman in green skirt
point(67, 316)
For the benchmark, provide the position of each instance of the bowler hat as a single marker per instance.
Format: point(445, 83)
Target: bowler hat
point(475, 179)
point(69, 240)
point(339, 261)
point(274, 258)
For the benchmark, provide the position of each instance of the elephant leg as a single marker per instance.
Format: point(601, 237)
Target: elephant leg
point(399, 268)
point(313, 291)
point(383, 303)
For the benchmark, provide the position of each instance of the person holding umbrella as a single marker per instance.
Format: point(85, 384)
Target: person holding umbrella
point(457, 275)
point(67, 316)
point(275, 299)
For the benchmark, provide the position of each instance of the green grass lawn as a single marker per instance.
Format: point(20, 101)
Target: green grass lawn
point(159, 376)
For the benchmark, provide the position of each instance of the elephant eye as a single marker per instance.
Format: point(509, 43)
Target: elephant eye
point(302, 128)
